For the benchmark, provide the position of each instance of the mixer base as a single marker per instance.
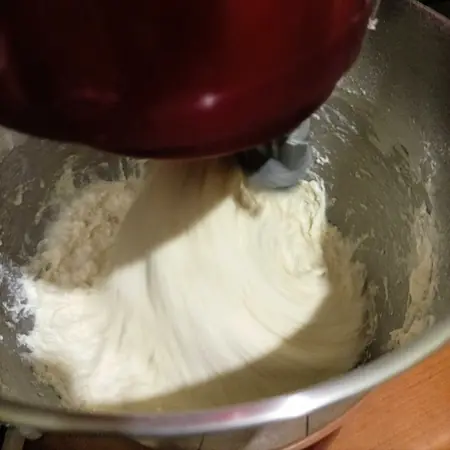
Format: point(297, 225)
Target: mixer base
point(11, 438)
point(14, 439)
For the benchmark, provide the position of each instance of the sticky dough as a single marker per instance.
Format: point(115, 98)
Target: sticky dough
point(204, 294)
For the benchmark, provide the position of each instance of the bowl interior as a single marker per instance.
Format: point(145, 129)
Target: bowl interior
point(380, 143)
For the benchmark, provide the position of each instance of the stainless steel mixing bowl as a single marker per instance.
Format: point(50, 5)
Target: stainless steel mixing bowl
point(381, 143)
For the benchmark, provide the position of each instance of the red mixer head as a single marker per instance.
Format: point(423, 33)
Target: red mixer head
point(172, 78)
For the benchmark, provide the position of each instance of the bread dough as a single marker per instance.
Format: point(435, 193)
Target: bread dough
point(208, 294)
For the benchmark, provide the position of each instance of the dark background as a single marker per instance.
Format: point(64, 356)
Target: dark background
point(442, 6)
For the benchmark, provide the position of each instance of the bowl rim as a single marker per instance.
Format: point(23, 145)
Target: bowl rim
point(245, 415)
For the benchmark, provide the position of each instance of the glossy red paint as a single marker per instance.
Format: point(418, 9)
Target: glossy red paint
point(172, 78)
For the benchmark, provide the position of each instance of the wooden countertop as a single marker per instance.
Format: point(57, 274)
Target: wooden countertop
point(411, 412)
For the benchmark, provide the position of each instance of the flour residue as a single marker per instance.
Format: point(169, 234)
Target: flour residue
point(64, 189)
point(423, 282)
point(15, 304)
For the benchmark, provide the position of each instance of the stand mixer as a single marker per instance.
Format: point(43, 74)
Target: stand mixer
point(173, 79)
point(381, 146)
